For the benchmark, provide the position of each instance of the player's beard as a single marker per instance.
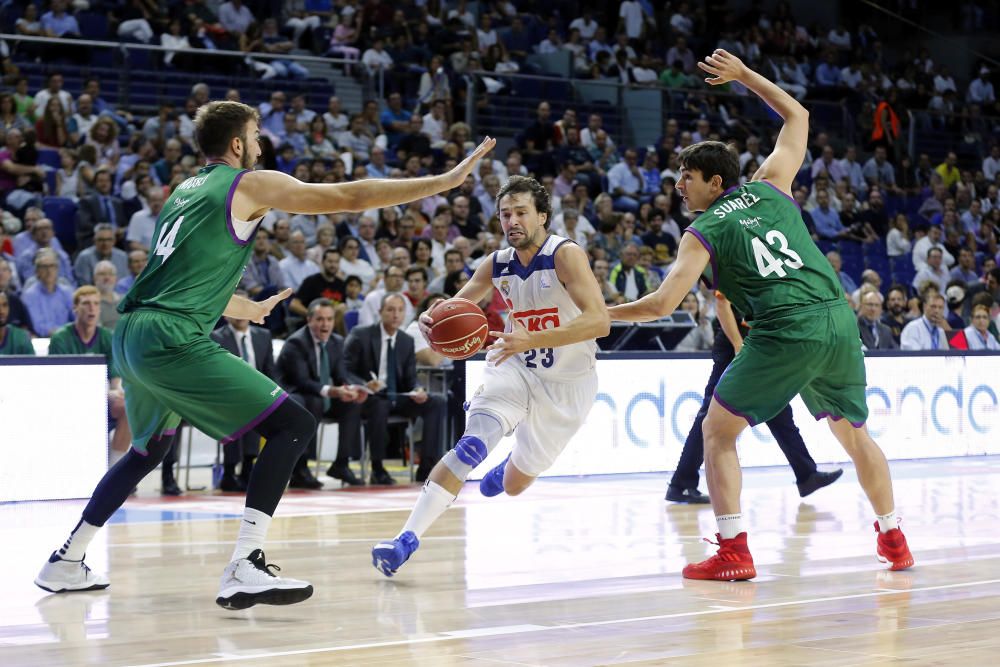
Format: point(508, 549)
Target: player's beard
point(245, 161)
point(527, 242)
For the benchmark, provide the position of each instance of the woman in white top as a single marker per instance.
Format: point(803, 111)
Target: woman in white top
point(701, 337)
point(977, 334)
point(425, 355)
point(898, 241)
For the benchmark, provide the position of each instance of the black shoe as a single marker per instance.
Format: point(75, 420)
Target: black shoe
point(691, 496)
point(303, 479)
point(817, 481)
point(170, 488)
point(345, 475)
point(232, 483)
point(382, 478)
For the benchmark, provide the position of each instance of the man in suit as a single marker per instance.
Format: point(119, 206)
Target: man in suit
point(102, 206)
point(311, 369)
point(874, 334)
point(253, 344)
point(385, 354)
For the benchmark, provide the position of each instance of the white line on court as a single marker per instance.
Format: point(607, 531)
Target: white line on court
point(502, 630)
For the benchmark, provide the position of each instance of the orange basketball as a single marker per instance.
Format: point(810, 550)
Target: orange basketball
point(459, 329)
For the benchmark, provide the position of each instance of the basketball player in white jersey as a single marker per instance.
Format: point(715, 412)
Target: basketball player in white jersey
point(540, 380)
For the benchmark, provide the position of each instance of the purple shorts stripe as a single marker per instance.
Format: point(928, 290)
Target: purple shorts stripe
point(256, 420)
point(711, 255)
point(729, 408)
point(837, 418)
point(781, 192)
point(229, 210)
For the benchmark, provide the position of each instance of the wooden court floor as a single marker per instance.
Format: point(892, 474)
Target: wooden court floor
point(574, 572)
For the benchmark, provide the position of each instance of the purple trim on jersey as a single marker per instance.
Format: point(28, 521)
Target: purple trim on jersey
point(837, 418)
point(780, 192)
point(711, 256)
point(229, 211)
point(256, 420)
point(729, 408)
point(80, 338)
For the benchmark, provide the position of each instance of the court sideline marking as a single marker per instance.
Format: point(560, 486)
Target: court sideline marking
point(513, 629)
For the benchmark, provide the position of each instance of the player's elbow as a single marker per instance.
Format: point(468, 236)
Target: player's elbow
point(602, 323)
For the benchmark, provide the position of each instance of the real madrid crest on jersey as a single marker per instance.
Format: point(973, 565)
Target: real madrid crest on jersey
point(505, 287)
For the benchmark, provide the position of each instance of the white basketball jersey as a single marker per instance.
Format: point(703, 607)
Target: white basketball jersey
point(539, 301)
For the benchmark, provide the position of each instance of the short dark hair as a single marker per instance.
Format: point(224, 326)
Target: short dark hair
point(711, 158)
point(347, 239)
point(453, 251)
point(329, 251)
point(218, 123)
point(416, 269)
point(897, 288)
point(353, 279)
point(316, 304)
point(518, 184)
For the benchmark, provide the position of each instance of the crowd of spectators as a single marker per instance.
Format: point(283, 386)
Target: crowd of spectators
point(926, 222)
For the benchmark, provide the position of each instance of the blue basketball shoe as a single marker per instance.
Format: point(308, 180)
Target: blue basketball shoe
point(388, 557)
point(492, 483)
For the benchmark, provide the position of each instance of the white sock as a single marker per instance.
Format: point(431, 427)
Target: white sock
point(253, 530)
point(433, 501)
point(78, 541)
point(730, 525)
point(887, 522)
point(114, 456)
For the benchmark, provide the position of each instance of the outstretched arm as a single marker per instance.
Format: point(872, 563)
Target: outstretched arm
point(243, 308)
point(260, 191)
point(781, 166)
point(691, 260)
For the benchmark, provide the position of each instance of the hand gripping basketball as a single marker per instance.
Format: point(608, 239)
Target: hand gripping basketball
point(457, 328)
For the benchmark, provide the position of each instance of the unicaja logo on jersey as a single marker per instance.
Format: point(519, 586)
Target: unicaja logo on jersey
point(470, 344)
point(538, 320)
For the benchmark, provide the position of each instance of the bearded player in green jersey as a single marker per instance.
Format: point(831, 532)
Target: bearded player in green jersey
point(172, 370)
point(750, 242)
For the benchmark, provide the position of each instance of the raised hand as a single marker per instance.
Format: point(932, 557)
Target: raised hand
point(461, 171)
point(724, 67)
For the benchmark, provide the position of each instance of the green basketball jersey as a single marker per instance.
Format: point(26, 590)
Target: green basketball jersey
point(197, 259)
point(16, 341)
point(762, 256)
point(66, 340)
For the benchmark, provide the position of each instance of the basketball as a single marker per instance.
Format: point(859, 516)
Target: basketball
point(459, 329)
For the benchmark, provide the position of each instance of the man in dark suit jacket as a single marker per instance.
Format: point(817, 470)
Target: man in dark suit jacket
point(331, 392)
point(874, 334)
point(371, 352)
point(253, 343)
point(102, 206)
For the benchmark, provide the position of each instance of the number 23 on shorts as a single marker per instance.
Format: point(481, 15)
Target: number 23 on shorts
point(546, 357)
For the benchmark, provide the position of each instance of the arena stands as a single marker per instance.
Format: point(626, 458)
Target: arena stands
point(596, 101)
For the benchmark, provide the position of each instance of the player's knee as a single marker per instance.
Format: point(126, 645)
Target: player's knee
point(292, 419)
point(468, 453)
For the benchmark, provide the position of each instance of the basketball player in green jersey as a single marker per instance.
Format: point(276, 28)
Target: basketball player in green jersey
point(750, 242)
point(172, 370)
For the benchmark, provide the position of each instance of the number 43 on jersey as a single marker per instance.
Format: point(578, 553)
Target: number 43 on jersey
point(768, 263)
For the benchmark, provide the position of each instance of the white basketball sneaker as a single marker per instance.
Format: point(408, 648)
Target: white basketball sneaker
point(63, 576)
point(249, 581)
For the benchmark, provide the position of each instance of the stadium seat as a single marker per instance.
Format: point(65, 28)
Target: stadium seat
point(93, 25)
point(62, 212)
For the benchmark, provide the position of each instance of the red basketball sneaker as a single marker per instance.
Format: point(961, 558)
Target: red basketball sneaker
point(892, 549)
point(732, 563)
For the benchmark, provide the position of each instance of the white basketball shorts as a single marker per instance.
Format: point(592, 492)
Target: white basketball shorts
point(543, 415)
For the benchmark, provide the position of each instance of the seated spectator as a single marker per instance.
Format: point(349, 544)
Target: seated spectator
point(702, 336)
point(103, 248)
point(870, 279)
point(827, 221)
point(932, 240)
point(296, 267)
point(377, 59)
point(965, 270)
point(628, 278)
point(49, 302)
point(352, 265)
point(386, 354)
point(274, 42)
point(43, 236)
point(846, 282)
point(453, 262)
point(976, 336)
point(100, 207)
point(13, 339)
point(137, 260)
point(896, 318)
point(327, 284)
point(14, 174)
point(932, 271)
point(9, 117)
point(625, 183)
point(343, 40)
point(235, 17)
point(879, 172)
point(105, 278)
point(874, 334)
point(954, 295)
point(51, 129)
point(392, 283)
point(926, 333)
point(253, 345)
point(948, 170)
point(143, 222)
